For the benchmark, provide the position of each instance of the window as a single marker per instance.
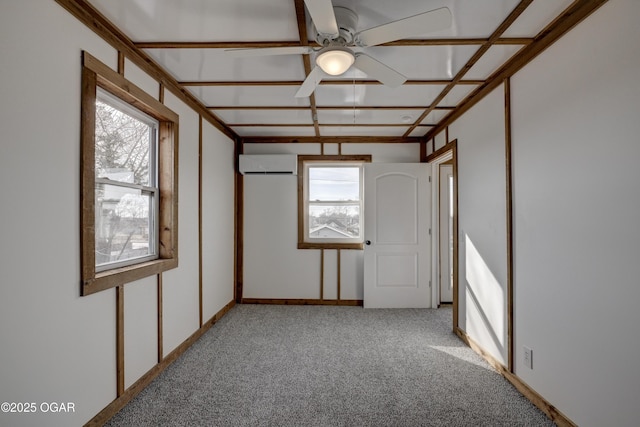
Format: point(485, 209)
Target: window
point(129, 181)
point(330, 209)
point(126, 190)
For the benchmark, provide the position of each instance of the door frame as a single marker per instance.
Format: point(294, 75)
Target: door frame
point(444, 154)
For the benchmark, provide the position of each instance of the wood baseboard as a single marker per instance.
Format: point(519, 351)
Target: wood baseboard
point(534, 397)
point(347, 302)
point(114, 407)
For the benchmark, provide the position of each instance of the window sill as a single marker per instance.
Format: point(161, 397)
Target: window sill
point(307, 245)
point(119, 276)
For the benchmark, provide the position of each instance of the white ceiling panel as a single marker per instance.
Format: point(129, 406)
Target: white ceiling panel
point(235, 96)
point(362, 130)
point(457, 94)
point(351, 116)
point(302, 117)
point(372, 95)
point(469, 18)
point(537, 16)
point(190, 20)
point(274, 130)
point(434, 117)
point(493, 59)
point(215, 64)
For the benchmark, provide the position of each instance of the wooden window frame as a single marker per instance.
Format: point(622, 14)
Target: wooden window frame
point(302, 244)
point(96, 74)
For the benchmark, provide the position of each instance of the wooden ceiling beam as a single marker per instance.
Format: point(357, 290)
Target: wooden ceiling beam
point(325, 107)
point(289, 125)
point(330, 139)
point(263, 44)
point(301, 17)
point(334, 82)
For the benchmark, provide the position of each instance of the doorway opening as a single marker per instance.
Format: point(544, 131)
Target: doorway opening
point(445, 229)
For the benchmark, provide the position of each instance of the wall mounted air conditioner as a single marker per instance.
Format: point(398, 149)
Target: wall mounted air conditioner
point(268, 164)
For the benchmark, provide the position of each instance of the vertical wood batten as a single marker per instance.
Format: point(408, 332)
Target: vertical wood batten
point(160, 311)
point(120, 340)
point(339, 284)
point(321, 274)
point(200, 308)
point(509, 221)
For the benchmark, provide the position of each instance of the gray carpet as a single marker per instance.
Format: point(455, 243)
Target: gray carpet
point(268, 365)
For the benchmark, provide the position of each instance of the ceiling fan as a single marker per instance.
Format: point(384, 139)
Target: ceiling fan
point(335, 32)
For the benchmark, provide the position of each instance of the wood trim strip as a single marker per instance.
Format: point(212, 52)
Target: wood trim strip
point(160, 319)
point(119, 341)
point(344, 302)
point(87, 168)
point(332, 82)
point(339, 259)
point(573, 15)
point(533, 396)
point(110, 410)
point(262, 44)
point(161, 93)
point(330, 140)
point(95, 21)
point(301, 125)
point(200, 303)
point(509, 220)
point(121, 58)
point(324, 107)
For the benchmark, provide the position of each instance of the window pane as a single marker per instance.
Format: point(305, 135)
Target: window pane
point(122, 224)
point(334, 184)
point(123, 146)
point(334, 222)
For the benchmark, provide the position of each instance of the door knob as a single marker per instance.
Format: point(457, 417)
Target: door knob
point(367, 242)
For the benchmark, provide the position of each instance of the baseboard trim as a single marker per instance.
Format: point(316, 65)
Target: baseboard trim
point(347, 302)
point(534, 397)
point(114, 407)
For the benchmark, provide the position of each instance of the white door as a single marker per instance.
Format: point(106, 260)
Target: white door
point(397, 217)
point(446, 233)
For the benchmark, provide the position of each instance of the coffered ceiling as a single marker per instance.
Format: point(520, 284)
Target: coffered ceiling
point(254, 97)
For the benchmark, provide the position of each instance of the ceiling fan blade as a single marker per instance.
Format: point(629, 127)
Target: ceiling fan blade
point(379, 71)
point(323, 17)
point(435, 20)
point(268, 51)
point(310, 83)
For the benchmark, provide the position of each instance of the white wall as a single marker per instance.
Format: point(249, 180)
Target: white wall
point(577, 204)
point(482, 237)
point(58, 346)
point(575, 143)
point(274, 267)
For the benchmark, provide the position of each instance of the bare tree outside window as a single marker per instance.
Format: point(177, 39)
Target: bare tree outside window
point(123, 156)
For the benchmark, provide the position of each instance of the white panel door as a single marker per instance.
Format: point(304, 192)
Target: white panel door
point(397, 217)
point(446, 233)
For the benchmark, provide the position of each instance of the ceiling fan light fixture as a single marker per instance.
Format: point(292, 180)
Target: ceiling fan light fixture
point(335, 60)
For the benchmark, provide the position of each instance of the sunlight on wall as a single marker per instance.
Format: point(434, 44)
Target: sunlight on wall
point(486, 315)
